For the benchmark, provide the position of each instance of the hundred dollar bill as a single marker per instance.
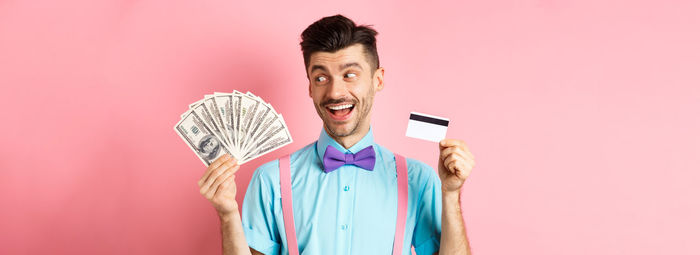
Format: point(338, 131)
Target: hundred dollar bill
point(203, 113)
point(200, 138)
point(275, 137)
point(263, 112)
point(243, 124)
point(265, 125)
point(236, 115)
point(247, 111)
point(213, 109)
point(223, 101)
point(272, 143)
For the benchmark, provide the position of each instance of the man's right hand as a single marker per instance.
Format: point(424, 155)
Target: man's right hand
point(218, 185)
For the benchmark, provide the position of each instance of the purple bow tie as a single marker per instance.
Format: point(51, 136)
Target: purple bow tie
point(333, 158)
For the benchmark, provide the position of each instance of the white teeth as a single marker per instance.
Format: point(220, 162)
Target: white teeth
point(340, 107)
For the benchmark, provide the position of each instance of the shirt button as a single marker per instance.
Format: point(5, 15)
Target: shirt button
point(346, 188)
point(344, 227)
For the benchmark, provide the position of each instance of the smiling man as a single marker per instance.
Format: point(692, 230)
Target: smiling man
point(344, 186)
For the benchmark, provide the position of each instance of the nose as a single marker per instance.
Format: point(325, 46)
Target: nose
point(337, 89)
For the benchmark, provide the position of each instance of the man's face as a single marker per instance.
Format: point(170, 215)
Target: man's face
point(342, 86)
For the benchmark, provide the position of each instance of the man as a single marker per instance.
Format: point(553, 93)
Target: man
point(348, 210)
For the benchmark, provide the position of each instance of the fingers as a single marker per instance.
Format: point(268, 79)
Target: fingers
point(451, 166)
point(229, 182)
point(214, 165)
point(219, 161)
point(446, 143)
point(215, 175)
point(458, 167)
point(444, 153)
point(219, 180)
point(454, 157)
point(450, 162)
point(209, 192)
point(452, 142)
point(213, 172)
point(450, 146)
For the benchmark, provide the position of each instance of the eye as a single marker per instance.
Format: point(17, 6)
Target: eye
point(320, 79)
point(350, 75)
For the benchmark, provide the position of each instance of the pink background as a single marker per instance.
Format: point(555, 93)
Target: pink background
point(582, 115)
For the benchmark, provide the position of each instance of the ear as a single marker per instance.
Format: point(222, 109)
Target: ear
point(310, 89)
point(378, 79)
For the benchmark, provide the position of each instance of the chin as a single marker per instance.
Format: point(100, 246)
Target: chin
point(341, 130)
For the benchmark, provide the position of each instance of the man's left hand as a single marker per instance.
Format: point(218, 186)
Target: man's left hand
point(454, 165)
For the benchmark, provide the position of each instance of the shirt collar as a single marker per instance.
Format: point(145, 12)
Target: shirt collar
point(324, 140)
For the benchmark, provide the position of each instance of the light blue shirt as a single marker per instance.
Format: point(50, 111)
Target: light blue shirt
point(347, 211)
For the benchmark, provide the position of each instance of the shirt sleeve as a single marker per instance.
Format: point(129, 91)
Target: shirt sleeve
point(258, 217)
point(426, 236)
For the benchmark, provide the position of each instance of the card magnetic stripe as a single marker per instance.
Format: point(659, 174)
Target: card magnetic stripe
point(427, 119)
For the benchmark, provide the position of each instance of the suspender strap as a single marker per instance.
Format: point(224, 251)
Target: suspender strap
point(402, 181)
point(288, 212)
point(287, 209)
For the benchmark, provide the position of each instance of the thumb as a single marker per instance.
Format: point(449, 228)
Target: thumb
point(441, 162)
point(441, 146)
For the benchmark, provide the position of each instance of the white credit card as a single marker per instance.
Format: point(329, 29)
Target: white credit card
point(427, 127)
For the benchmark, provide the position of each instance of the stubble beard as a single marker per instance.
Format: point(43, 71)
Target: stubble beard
point(361, 116)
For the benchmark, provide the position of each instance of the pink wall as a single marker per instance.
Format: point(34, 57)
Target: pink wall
point(582, 115)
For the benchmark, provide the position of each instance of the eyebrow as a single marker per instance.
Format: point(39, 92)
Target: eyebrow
point(314, 67)
point(346, 65)
point(342, 67)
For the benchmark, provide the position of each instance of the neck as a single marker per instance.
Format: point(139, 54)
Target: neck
point(352, 139)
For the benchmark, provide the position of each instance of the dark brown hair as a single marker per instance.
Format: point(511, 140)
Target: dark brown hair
point(334, 33)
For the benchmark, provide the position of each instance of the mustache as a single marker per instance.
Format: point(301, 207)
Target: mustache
point(338, 101)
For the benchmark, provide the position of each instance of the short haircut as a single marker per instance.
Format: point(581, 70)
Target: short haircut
point(334, 33)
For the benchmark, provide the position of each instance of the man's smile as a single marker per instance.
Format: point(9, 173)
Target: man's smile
point(340, 112)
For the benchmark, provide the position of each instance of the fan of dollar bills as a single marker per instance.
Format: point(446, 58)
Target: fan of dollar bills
point(239, 124)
